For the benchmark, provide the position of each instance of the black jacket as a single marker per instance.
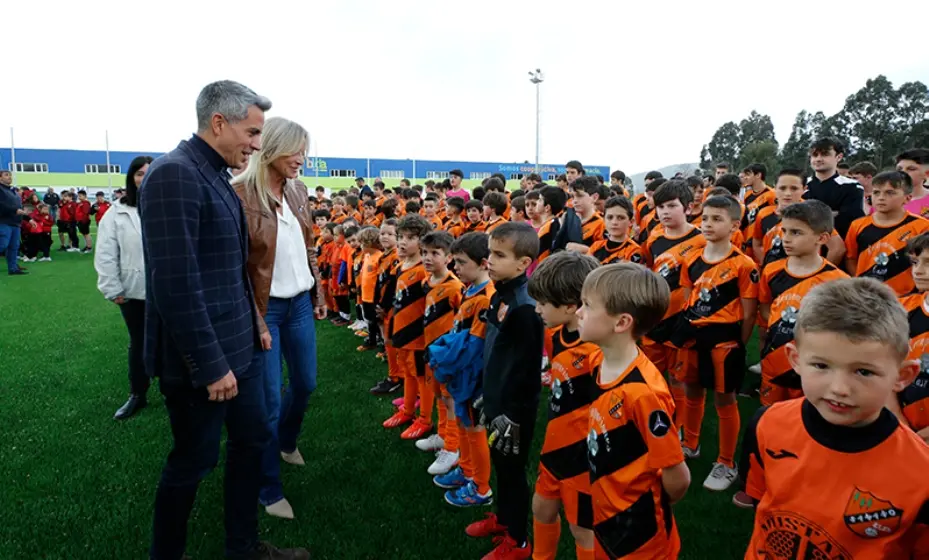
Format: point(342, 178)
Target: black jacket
point(512, 353)
point(52, 199)
point(10, 202)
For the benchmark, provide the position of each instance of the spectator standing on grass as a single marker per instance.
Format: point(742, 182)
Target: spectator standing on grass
point(52, 199)
point(11, 213)
point(121, 278)
point(201, 326)
point(82, 219)
point(282, 269)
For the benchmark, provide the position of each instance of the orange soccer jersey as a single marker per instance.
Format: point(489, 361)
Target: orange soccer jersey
point(782, 293)
point(881, 250)
point(435, 222)
point(455, 228)
point(356, 262)
point(374, 221)
point(753, 204)
point(608, 252)
point(831, 492)
point(493, 224)
point(592, 230)
point(442, 302)
point(369, 270)
point(546, 238)
point(667, 254)
point(563, 471)
point(406, 322)
point(630, 439)
point(341, 255)
point(647, 223)
point(914, 400)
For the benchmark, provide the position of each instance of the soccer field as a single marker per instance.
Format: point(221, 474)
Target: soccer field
point(79, 485)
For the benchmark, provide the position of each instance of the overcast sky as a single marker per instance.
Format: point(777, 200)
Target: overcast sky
point(632, 85)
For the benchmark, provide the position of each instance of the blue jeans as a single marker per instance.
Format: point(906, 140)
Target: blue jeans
point(293, 337)
point(9, 242)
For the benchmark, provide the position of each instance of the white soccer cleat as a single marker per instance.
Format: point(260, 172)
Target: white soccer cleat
point(720, 478)
point(756, 369)
point(432, 443)
point(444, 462)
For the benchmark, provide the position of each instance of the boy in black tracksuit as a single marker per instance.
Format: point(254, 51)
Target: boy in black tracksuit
point(512, 384)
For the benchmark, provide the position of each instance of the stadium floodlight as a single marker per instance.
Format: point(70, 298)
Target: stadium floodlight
point(536, 78)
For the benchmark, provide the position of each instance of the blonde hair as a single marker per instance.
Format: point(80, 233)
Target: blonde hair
point(279, 138)
point(370, 236)
point(630, 288)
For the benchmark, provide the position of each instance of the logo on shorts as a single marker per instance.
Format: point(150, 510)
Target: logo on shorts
point(659, 423)
point(871, 517)
point(754, 276)
point(616, 406)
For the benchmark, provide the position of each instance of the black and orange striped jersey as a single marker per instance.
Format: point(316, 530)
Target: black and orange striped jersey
point(647, 224)
point(717, 289)
point(765, 230)
point(323, 256)
point(546, 239)
point(881, 250)
point(455, 228)
point(593, 230)
point(914, 400)
point(443, 299)
point(406, 324)
point(666, 255)
point(357, 262)
point(608, 252)
point(832, 492)
point(493, 224)
point(752, 205)
point(564, 452)
point(470, 226)
point(387, 279)
point(339, 218)
point(475, 299)
point(783, 293)
point(435, 222)
point(631, 438)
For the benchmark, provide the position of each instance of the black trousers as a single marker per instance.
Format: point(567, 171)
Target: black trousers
point(197, 426)
point(133, 311)
point(513, 495)
point(342, 303)
point(38, 243)
point(369, 310)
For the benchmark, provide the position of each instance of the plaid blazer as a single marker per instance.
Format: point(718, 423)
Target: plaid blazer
point(200, 313)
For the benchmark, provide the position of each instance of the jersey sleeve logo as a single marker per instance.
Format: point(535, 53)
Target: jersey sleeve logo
point(659, 423)
point(636, 258)
point(871, 517)
point(754, 276)
point(616, 407)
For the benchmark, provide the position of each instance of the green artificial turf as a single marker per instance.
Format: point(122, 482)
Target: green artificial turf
point(78, 485)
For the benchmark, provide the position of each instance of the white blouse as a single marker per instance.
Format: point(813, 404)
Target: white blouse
point(291, 275)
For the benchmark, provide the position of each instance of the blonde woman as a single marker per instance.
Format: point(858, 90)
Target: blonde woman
point(282, 268)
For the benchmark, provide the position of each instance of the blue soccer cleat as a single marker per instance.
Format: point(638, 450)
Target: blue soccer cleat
point(452, 480)
point(467, 496)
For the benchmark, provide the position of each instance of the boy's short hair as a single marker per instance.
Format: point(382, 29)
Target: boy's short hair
point(757, 169)
point(823, 145)
point(731, 182)
point(576, 165)
point(82, 191)
point(493, 184)
point(719, 191)
point(437, 240)
point(560, 278)
point(843, 165)
point(390, 222)
point(727, 203)
point(369, 203)
point(63, 194)
point(350, 230)
point(675, 189)
point(793, 172)
point(367, 195)
point(370, 236)
point(405, 182)
point(523, 237)
point(618, 175)
point(415, 224)
point(652, 175)
point(517, 192)
point(657, 182)
point(588, 184)
point(100, 193)
point(555, 198)
point(633, 289)
point(352, 201)
point(534, 194)
point(620, 202)
point(497, 202)
point(429, 184)
point(418, 189)
point(475, 245)
point(865, 168)
point(323, 213)
point(813, 213)
point(859, 309)
point(478, 193)
point(474, 204)
point(917, 245)
point(896, 179)
point(723, 165)
point(332, 226)
point(694, 182)
point(389, 207)
point(455, 202)
point(412, 207)
point(562, 178)
point(443, 186)
point(379, 184)
point(919, 155)
point(431, 197)
point(519, 204)
point(534, 177)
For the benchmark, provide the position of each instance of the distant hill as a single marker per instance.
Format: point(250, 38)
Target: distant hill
point(638, 180)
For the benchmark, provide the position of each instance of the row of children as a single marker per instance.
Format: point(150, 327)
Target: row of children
point(73, 218)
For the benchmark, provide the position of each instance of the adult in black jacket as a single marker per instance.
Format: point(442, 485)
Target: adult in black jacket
point(52, 199)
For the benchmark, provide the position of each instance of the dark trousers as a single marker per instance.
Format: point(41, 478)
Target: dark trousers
point(512, 493)
point(38, 243)
point(342, 303)
point(133, 311)
point(72, 235)
point(197, 424)
point(369, 310)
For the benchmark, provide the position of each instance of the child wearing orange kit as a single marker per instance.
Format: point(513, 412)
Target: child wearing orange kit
point(369, 240)
point(386, 286)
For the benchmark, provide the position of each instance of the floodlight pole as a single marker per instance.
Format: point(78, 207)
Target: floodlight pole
point(537, 78)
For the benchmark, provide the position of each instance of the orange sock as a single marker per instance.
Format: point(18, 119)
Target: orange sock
point(426, 397)
point(728, 432)
point(583, 553)
point(680, 396)
point(545, 538)
point(393, 368)
point(693, 421)
point(480, 459)
point(464, 448)
point(451, 429)
point(406, 367)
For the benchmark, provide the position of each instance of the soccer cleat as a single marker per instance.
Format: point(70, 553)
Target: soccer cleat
point(467, 496)
point(339, 322)
point(385, 387)
point(486, 527)
point(365, 348)
point(398, 402)
point(293, 458)
point(432, 443)
point(452, 480)
point(398, 419)
point(720, 478)
point(74, 250)
point(444, 462)
point(743, 500)
point(363, 333)
point(756, 368)
point(358, 325)
point(419, 428)
point(45, 259)
point(508, 549)
point(691, 453)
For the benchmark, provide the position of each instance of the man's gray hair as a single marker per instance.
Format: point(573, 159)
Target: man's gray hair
point(229, 99)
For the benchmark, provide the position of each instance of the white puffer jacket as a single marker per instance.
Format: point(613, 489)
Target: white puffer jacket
point(118, 254)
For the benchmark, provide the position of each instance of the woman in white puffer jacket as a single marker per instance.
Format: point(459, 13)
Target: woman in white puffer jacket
point(121, 278)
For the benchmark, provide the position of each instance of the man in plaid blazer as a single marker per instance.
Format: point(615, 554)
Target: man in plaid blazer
point(200, 328)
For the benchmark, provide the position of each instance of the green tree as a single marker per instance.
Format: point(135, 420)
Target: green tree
point(764, 152)
point(870, 116)
point(756, 128)
point(912, 120)
point(795, 150)
point(725, 144)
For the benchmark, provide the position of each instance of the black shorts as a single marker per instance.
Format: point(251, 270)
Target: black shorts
point(84, 228)
point(64, 227)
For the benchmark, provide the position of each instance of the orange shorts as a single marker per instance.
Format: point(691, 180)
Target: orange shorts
point(771, 393)
point(721, 369)
point(411, 363)
point(659, 354)
point(574, 494)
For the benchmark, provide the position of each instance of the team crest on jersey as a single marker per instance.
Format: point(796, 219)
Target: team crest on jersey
point(592, 446)
point(882, 259)
point(616, 407)
point(578, 363)
point(501, 311)
point(789, 314)
point(636, 258)
point(557, 391)
point(776, 242)
point(664, 270)
point(871, 517)
point(924, 363)
point(751, 214)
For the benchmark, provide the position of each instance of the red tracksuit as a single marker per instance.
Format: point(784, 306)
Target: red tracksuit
point(82, 212)
point(100, 209)
point(66, 211)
